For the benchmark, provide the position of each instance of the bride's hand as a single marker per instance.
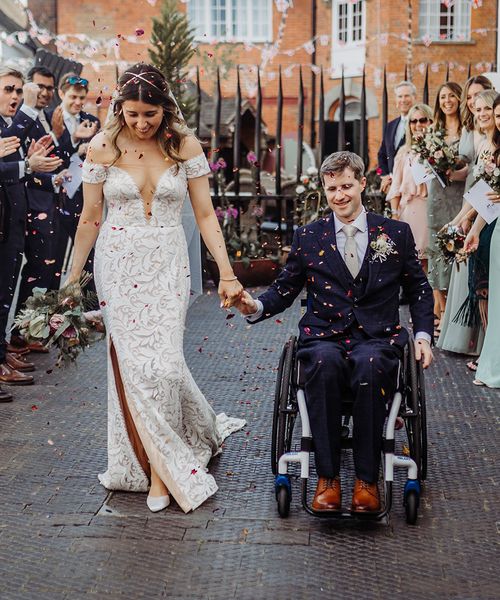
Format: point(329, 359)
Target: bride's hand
point(229, 292)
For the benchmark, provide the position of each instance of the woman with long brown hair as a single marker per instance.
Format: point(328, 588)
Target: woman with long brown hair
point(443, 203)
point(161, 430)
point(457, 337)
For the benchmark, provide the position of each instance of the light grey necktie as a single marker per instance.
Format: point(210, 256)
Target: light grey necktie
point(351, 249)
point(43, 121)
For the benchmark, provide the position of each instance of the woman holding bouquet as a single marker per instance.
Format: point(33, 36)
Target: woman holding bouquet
point(488, 370)
point(455, 336)
point(161, 430)
point(443, 203)
point(408, 200)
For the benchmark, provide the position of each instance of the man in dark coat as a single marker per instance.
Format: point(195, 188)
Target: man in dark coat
point(352, 264)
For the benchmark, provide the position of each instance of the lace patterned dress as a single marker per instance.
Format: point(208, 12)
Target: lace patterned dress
point(156, 413)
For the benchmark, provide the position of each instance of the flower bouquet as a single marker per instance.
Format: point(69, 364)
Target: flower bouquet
point(58, 318)
point(450, 242)
point(434, 152)
point(487, 170)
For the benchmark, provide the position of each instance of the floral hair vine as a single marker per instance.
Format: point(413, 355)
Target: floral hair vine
point(140, 76)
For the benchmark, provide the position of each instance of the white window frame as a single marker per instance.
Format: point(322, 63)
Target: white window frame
point(429, 20)
point(346, 50)
point(246, 28)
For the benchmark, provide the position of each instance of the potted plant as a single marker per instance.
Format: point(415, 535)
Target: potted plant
point(241, 230)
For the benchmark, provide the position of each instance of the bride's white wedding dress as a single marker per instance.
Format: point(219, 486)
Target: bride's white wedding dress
point(156, 413)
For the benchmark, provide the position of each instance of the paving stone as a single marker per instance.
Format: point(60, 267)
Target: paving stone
point(62, 536)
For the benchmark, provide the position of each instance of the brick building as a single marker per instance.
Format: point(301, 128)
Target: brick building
point(269, 33)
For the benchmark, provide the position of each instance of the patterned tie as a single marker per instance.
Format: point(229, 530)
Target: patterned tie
point(351, 249)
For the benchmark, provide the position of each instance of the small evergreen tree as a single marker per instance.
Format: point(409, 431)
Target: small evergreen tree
point(172, 48)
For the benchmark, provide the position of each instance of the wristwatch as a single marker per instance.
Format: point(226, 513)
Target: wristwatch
point(27, 167)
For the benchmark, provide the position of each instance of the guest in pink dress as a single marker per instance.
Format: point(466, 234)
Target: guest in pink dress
point(409, 200)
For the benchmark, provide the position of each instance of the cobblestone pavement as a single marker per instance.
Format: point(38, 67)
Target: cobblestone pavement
point(63, 536)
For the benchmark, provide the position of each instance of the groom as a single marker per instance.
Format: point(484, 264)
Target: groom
point(352, 264)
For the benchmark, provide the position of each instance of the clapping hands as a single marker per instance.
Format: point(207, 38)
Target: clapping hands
point(245, 304)
point(9, 145)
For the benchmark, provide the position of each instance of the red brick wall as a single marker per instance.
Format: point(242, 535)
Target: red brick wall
point(105, 19)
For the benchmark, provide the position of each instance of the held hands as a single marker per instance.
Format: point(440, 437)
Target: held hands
point(9, 145)
point(246, 304)
point(423, 352)
point(229, 292)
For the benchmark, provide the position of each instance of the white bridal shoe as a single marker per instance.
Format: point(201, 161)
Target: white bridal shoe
point(157, 503)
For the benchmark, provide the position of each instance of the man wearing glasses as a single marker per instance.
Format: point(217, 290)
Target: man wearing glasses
point(25, 167)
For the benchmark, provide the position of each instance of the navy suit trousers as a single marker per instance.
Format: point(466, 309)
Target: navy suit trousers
point(357, 367)
point(11, 256)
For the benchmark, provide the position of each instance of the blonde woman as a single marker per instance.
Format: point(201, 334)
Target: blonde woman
point(161, 430)
point(408, 200)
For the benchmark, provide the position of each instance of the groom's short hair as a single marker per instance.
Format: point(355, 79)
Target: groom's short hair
point(339, 161)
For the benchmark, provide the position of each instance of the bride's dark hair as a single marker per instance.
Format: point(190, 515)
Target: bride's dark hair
point(147, 84)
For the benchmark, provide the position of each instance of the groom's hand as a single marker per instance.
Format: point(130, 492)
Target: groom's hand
point(246, 304)
point(423, 352)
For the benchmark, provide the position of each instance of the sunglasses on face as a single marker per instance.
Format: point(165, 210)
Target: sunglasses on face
point(77, 81)
point(8, 89)
point(422, 121)
point(46, 88)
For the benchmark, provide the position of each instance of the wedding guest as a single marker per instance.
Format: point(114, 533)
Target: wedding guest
point(78, 128)
point(394, 132)
point(457, 336)
point(488, 371)
point(443, 203)
point(408, 200)
point(40, 243)
point(474, 311)
point(16, 170)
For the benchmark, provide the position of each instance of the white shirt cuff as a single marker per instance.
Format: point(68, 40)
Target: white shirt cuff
point(422, 335)
point(257, 314)
point(21, 169)
point(31, 112)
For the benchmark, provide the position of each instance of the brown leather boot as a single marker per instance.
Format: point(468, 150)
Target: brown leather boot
point(16, 341)
point(5, 396)
point(16, 362)
point(17, 350)
point(12, 377)
point(365, 497)
point(328, 494)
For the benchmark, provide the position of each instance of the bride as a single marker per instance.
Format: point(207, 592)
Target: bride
point(161, 430)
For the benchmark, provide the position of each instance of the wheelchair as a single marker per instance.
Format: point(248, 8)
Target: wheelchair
point(408, 403)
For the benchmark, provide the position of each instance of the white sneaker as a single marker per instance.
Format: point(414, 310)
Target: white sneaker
point(157, 503)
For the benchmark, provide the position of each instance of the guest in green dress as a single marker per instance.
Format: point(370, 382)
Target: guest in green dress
point(488, 371)
point(456, 336)
point(443, 203)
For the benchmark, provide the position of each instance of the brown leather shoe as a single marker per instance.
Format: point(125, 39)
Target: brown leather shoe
point(12, 377)
point(328, 494)
point(17, 350)
point(19, 342)
point(365, 497)
point(5, 396)
point(16, 362)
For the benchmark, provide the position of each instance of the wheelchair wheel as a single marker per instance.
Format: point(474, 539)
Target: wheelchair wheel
point(284, 499)
point(416, 425)
point(411, 507)
point(285, 404)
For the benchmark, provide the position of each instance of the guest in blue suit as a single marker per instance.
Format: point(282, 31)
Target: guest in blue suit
point(22, 168)
point(352, 264)
point(394, 132)
point(40, 244)
point(78, 128)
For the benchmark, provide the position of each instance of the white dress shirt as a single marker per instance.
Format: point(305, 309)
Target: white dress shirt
point(400, 131)
point(32, 113)
point(71, 122)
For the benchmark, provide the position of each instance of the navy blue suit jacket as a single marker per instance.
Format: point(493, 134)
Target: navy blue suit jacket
point(387, 150)
point(334, 305)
